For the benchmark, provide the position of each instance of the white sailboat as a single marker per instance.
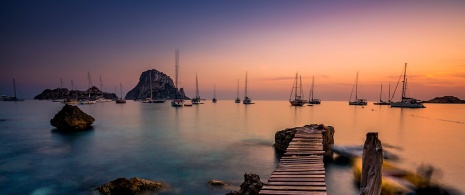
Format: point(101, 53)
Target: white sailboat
point(14, 98)
point(357, 101)
point(237, 100)
point(246, 100)
point(197, 99)
point(298, 96)
point(381, 102)
point(312, 100)
point(406, 102)
point(177, 101)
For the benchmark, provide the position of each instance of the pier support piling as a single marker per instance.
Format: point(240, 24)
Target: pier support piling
point(372, 162)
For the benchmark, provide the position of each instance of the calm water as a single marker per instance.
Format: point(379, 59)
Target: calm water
point(186, 147)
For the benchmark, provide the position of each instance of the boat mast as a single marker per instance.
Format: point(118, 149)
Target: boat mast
point(214, 91)
point(295, 89)
point(381, 93)
point(404, 83)
point(14, 88)
point(356, 87)
point(313, 80)
point(121, 90)
point(196, 87)
point(237, 89)
point(389, 97)
point(301, 89)
point(150, 73)
point(246, 84)
point(177, 67)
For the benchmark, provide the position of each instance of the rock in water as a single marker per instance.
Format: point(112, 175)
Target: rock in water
point(129, 186)
point(216, 182)
point(72, 118)
point(251, 185)
point(283, 138)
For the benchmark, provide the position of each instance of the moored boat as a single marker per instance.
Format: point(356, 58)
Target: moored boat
point(357, 101)
point(312, 100)
point(381, 102)
point(406, 102)
point(298, 93)
point(121, 100)
point(237, 100)
point(246, 100)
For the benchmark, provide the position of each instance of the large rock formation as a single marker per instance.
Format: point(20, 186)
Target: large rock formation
point(251, 185)
point(129, 186)
point(446, 100)
point(283, 138)
point(61, 93)
point(71, 118)
point(162, 87)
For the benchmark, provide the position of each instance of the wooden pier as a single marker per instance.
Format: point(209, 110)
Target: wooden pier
point(301, 169)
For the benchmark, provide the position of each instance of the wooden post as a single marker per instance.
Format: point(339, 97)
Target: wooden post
point(328, 141)
point(372, 163)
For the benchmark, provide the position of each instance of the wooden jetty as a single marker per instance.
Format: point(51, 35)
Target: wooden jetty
point(301, 169)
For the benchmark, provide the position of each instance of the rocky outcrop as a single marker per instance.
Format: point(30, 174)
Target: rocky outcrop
point(283, 138)
point(71, 118)
point(162, 87)
point(129, 186)
point(64, 93)
point(251, 185)
point(446, 100)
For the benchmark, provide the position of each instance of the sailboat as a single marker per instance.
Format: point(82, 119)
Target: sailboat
point(237, 100)
point(14, 98)
point(197, 99)
point(69, 100)
point(121, 100)
point(246, 100)
point(312, 100)
point(381, 102)
point(298, 96)
point(102, 99)
point(177, 101)
point(357, 102)
point(89, 100)
point(406, 102)
point(214, 94)
point(149, 100)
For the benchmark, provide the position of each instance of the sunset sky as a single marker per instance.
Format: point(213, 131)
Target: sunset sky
point(43, 41)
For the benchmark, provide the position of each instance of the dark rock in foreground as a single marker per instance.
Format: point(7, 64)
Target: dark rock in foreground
point(72, 118)
point(446, 100)
point(129, 186)
point(251, 185)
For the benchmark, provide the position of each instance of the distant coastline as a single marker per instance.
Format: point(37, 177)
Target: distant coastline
point(445, 100)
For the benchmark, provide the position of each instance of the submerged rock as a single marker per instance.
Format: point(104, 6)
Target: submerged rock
point(129, 186)
point(251, 185)
point(216, 183)
point(72, 118)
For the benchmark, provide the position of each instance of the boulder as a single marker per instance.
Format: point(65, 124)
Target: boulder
point(71, 118)
point(129, 186)
point(283, 138)
point(251, 185)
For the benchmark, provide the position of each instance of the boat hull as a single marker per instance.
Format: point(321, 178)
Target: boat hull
point(177, 103)
point(407, 103)
point(297, 102)
point(358, 103)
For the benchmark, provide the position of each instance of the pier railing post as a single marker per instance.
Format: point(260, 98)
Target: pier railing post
point(372, 162)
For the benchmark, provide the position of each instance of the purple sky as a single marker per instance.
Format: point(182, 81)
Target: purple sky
point(42, 42)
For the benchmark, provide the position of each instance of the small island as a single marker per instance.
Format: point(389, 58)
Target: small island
point(446, 100)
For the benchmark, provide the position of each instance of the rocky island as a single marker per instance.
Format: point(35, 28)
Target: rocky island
point(162, 87)
point(64, 93)
point(446, 100)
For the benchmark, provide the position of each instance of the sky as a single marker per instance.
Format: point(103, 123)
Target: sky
point(42, 42)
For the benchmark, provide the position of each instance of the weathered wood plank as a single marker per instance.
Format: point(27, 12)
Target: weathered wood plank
point(285, 192)
point(297, 179)
point(297, 176)
point(299, 173)
point(296, 188)
point(280, 183)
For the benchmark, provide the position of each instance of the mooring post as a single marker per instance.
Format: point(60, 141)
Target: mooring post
point(372, 162)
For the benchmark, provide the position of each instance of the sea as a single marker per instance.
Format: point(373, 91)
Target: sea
point(186, 147)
